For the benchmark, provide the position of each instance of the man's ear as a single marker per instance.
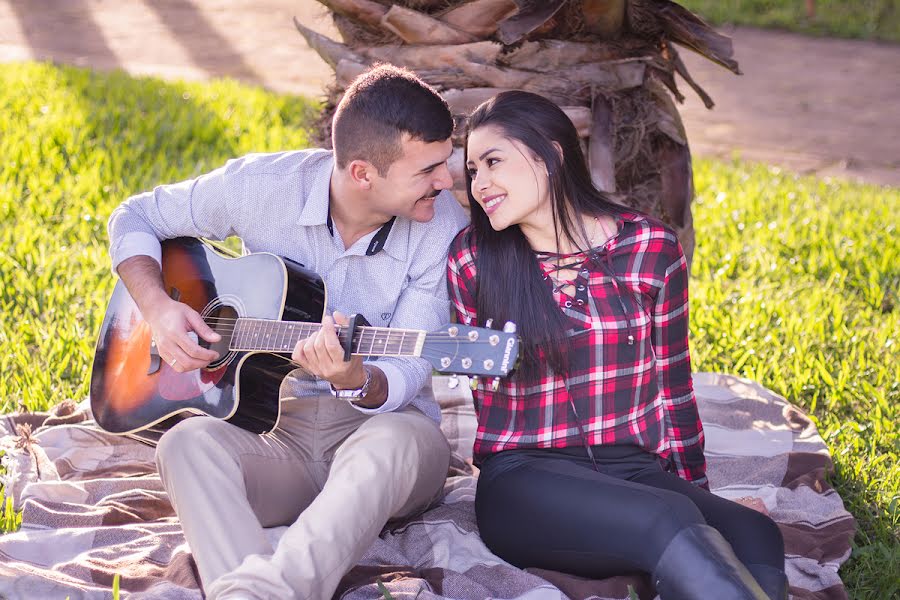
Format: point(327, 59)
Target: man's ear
point(362, 173)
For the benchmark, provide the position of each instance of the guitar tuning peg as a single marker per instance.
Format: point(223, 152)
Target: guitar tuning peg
point(473, 382)
point(488, 323)
point(509, 327)
point(495, 384)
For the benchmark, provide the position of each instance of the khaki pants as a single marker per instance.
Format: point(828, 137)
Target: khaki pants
point(331, 473)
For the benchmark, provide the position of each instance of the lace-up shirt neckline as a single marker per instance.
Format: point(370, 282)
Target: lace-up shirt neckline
point(565, 270)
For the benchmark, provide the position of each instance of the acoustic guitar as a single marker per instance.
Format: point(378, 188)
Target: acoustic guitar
point(261, 305)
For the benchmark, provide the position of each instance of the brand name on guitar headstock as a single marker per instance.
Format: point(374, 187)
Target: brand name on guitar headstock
point(504, 366)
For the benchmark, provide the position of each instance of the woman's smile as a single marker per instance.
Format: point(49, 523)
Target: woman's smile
point(491, 203)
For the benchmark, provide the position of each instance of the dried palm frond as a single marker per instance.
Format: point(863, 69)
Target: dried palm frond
point(610, 64)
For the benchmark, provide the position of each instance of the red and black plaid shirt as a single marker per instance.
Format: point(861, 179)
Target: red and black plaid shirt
point(629, 366)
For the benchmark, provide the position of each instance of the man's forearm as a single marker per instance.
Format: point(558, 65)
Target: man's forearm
point(142, 277)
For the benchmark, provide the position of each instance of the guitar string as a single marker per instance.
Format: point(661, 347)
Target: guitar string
point(301, 323)
point(408, 342)
point(426, 353)
point(229, 320)
point(262, 320)
point(431, 355)
point(400, 349)
point(394, 349)
point(365, 329)
point(370, 339)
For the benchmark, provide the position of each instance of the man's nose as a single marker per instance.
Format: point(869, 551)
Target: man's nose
point(444, 179)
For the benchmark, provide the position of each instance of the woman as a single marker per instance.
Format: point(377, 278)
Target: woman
point(591, 455)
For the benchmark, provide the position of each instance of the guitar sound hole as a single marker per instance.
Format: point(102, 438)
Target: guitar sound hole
point(221, 320)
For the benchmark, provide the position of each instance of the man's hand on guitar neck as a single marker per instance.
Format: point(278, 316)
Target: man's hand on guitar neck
point(323, 356)
point(171, 322)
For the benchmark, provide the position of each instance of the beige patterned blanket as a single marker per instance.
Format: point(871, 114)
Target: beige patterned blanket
point(94, 507)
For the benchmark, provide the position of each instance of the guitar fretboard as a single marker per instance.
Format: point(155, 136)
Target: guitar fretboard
point(281, 336)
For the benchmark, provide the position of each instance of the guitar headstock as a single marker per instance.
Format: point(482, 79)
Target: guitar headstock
point(472, 350)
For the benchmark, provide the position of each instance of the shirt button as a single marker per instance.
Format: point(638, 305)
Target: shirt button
point(581, 288)
point(579, 302)
point(568, 304)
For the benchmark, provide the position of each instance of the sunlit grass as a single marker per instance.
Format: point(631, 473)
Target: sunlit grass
point(10, 519)
point(867, 19)
point(795, 281)
point(795, 285)
point(74, 144)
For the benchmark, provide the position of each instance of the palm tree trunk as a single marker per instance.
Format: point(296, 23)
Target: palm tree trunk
point(609, 64)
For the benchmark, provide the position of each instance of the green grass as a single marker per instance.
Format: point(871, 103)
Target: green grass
point(866, 19)
point(795, 280)
point(9, 519)
point(74, 144)
point(795, 285)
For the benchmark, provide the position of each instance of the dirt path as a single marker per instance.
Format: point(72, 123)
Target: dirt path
point(812, 105)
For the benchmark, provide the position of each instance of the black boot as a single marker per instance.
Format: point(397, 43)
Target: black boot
point(773, 581)
point(699, 564)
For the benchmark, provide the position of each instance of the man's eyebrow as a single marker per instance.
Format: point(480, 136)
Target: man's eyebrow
point(431, 167)
point(435, 165)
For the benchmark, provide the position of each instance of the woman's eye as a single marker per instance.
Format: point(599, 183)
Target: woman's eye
point(492, 161)
point(472, 173)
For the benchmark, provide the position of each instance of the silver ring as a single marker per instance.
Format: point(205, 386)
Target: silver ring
point(174, 360)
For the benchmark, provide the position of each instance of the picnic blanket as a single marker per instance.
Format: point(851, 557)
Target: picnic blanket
point(94, 507)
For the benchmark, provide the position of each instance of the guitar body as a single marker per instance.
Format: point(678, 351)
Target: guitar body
point(132, 389)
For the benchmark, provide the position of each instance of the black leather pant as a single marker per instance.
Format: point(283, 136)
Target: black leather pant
point(551, 509)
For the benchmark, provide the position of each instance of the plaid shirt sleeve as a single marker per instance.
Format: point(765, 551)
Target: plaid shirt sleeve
point(670, 342)
point(461, 278)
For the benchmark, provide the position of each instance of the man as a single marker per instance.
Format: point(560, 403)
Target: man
point(358, 442)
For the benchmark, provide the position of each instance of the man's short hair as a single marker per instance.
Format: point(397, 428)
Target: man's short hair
point(381, 105)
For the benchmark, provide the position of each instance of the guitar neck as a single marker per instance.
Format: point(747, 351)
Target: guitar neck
point(262, 335)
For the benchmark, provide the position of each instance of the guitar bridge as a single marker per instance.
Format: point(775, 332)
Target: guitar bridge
point(155, 360)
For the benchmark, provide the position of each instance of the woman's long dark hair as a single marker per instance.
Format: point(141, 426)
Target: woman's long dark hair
point(510, 284)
